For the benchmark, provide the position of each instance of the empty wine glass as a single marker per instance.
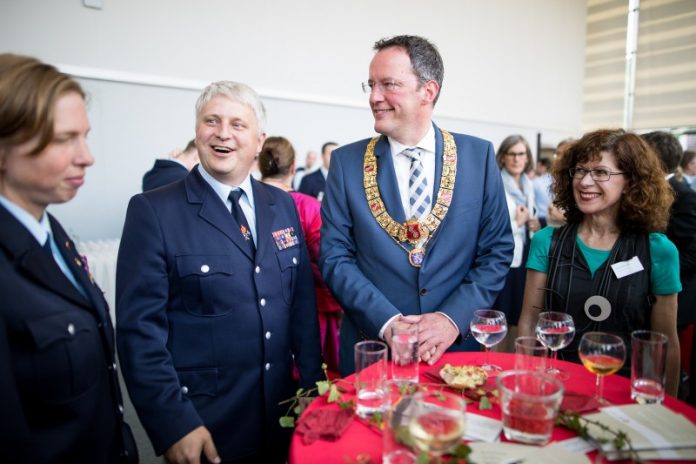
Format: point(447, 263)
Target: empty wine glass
point(555, 330)
point(602, 354)
point(489, 327)
point(437, 423)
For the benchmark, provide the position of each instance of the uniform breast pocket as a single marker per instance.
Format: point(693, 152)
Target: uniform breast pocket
point(204, 283)
point(288, 261)
point(68, 356)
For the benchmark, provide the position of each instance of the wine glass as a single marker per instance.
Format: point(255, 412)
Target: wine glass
point(489, 327)
point(437, 422)
point(602, 354)
point(555, 330)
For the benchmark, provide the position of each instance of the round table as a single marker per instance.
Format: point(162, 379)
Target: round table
point(360, 439)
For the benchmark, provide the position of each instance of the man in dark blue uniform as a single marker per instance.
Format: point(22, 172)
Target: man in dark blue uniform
point(215, 297)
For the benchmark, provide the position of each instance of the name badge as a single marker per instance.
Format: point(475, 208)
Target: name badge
point(285, 238)
point(626, 268)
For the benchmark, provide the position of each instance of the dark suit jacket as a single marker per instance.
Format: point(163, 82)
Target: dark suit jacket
point(369, 274)
point(162, 173)
point(206, 332)
point(59, 392)
point(682, 232)
point(313, 184)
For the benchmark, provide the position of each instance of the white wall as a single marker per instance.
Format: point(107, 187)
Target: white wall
point(510, 66)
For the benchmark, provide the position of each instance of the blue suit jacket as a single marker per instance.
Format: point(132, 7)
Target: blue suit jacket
point(465, 262)
point(59, 391)
point(163, 172)
point(206, 332)
point(313, 184)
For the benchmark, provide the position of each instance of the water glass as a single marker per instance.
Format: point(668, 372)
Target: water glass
point(530, 402)
point(648, 366)
point(371, 377)
point(530, 354)
point(404, 357)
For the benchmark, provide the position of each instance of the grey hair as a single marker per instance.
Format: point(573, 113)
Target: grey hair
point(241, 93)
point(425, 59)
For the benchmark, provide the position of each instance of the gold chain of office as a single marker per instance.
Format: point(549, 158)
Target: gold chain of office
point(414, 231)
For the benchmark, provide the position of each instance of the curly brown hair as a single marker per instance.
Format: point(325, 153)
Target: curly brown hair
point(648, 197)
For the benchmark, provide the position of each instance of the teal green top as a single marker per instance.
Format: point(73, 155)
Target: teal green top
point(664, 275)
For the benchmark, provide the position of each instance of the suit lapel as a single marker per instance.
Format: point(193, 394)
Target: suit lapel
point(386, 179)
point(213, 211)
point(79, 269)
point(33, 260)
point(264, 208)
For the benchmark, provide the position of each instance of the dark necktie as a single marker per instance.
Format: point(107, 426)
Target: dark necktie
point(239, 216)
point(418, 194)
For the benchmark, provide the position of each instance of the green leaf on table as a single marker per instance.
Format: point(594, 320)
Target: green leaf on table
point(423, 458)
point(299, 391)
point(287, 422)
point(322, 386)
point(334, 395)
point(350, 404)
point(485, 403)
point(297, 409)
point(462, 451)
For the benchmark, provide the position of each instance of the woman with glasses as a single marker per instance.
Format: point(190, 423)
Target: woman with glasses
point(514, 158)
point(610, 267)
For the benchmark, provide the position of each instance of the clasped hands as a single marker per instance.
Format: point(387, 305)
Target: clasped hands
point(436, 333)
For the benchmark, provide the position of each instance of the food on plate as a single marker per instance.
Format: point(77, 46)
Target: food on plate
point(463, 376)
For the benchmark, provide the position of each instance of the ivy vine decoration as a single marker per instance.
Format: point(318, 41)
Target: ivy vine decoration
point(303, 397)
point(579, 424)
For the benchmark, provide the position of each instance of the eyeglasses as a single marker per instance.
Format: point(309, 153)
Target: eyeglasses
point(389, 86)
point(512, 154)
point(599, 175)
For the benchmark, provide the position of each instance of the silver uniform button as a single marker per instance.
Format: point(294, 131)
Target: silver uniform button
point(294, 260)
point(268, 366)
point(257, 269)
point(268, 335)
point(205, 268)
point(262, 302)
point(71, 329)
point(120, 408)
point(184, 390)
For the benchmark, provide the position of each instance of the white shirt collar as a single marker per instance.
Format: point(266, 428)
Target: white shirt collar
point(223, 190)
point(39, 229)
point(427, 143)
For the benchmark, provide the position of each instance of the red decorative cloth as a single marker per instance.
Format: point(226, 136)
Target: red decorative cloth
point(325, 424)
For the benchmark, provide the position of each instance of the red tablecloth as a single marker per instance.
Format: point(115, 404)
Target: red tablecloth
point(361, 439)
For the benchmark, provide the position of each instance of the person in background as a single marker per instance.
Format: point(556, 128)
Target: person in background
point(514, 157)
point(302, 171)
point(277, 165)
point(611, 186)
point(681, 230)
point(215, 299)
point(314, 184)
point(542, 189)
point(166, 171)
point(688, 166)
point(59, 389)
point(415, 230)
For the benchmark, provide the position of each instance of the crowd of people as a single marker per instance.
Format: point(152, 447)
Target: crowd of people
point(232, 292)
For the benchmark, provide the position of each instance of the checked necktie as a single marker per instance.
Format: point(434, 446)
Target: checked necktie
point(239, 216)
point(418, 195)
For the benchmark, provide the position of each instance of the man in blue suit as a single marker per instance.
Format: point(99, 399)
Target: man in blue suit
point(166, 171)
point(314, 184)
point(215, 297)
point(416, 232)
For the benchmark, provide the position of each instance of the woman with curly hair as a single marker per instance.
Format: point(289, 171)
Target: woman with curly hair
point(612, 188)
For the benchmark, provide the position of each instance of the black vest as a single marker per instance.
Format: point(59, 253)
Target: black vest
point(570, 288)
